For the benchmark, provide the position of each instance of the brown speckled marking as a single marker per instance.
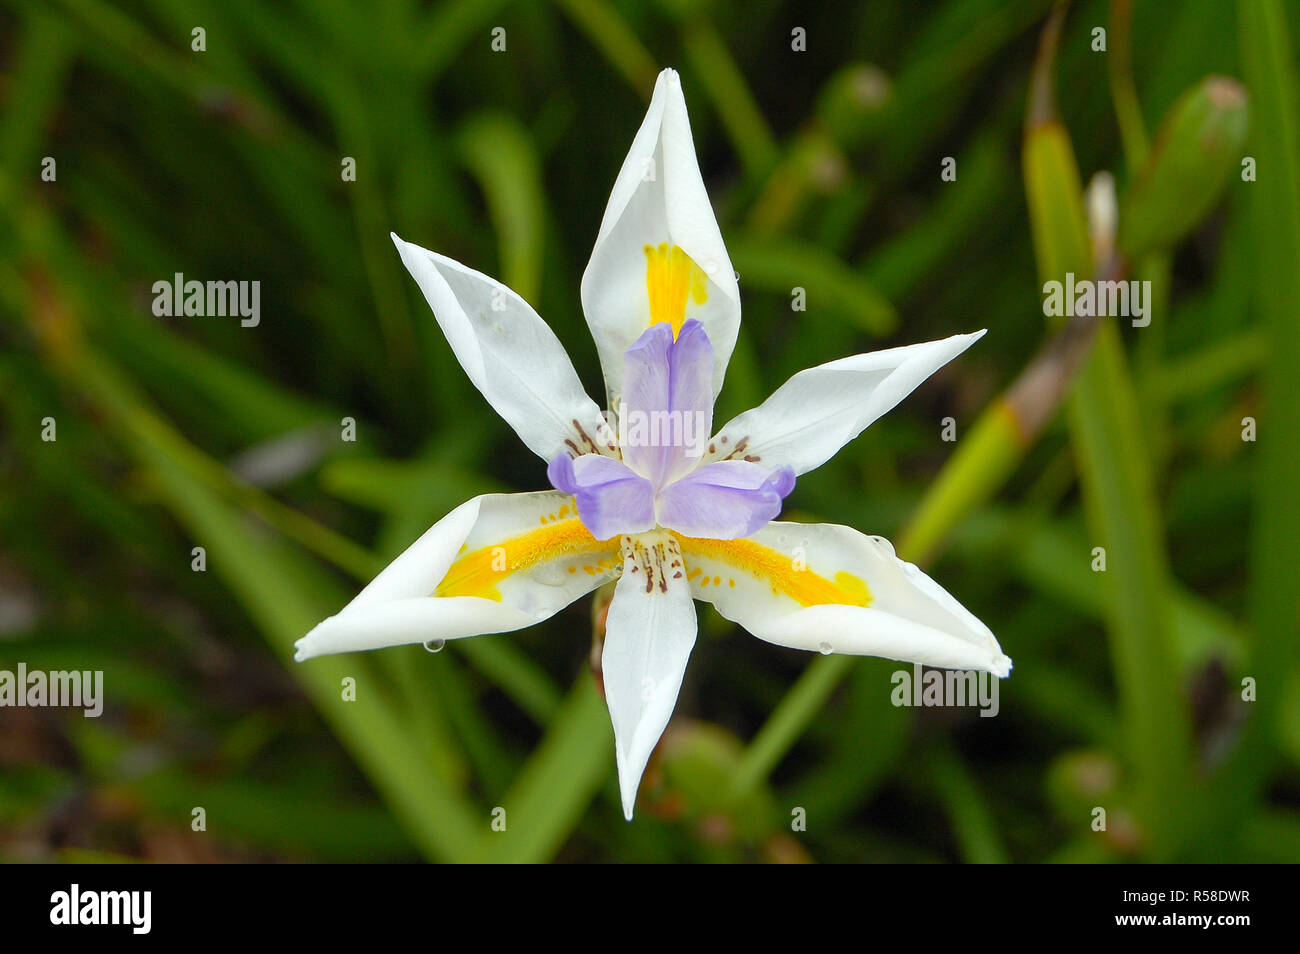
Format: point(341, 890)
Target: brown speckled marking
point(738, 451)
point(658, 555)
point(585, 437)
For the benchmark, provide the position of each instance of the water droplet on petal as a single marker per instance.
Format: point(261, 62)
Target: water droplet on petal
point(551, 574)
point(825, 649)
point(435, 645)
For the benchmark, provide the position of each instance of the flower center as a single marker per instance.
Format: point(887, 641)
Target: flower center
point(664, 421)
point(654, 557)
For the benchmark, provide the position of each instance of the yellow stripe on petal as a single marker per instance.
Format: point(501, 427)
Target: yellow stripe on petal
point(786, 576)
point(671, 276)
point(561, 539)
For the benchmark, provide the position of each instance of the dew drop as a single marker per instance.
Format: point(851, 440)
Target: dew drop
point(435, 645)
point(551, 575)
point(825, 649)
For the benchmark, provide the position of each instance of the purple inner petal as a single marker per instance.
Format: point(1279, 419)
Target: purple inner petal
point(664, 424)
point(667, 402)
point(724, 500)
point(611, 497)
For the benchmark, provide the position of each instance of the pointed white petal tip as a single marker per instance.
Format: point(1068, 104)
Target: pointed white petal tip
point(669, 75)
point(1001, 666)
point(306, 648)
point(629, 783)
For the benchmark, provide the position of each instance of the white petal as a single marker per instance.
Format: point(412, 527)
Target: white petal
point(422, 565)
point(658, 197)
point(496, 563)
point(829, 588)
point(649, 634)
point(509, 353)
point(819, 410)
point(417, 620)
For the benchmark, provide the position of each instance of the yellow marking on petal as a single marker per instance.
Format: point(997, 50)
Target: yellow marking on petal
point(804, 586)
point(854, 585)
point(671, 276)
point(479, 572)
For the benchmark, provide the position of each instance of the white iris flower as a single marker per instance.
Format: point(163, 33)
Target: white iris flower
point(672, 519)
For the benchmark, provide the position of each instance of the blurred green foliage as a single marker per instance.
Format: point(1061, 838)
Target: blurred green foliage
point(824, 167)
